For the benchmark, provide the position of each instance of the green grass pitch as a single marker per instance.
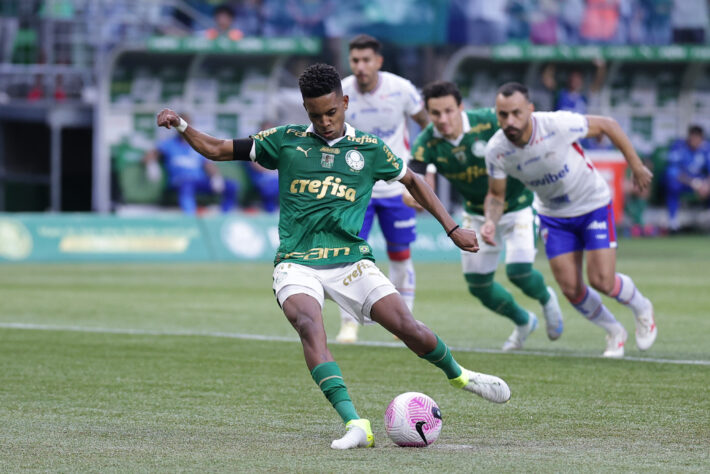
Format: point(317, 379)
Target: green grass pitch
point(166, 367)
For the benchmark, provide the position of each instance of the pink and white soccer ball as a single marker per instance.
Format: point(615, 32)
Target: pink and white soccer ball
point(413, 419)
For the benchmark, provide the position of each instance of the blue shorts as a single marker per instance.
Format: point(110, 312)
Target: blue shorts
point(397, 220)
point(592, 231)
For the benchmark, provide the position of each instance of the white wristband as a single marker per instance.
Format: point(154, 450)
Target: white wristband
point(182, 127)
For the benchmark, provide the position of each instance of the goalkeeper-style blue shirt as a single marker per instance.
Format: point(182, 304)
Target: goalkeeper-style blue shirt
point(694, 163)
point(182, 163)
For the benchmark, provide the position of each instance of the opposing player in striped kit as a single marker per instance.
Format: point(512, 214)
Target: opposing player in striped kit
point(380, 103)
point(455, 144)
point(541, 149)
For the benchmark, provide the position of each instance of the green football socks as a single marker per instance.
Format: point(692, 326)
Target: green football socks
point(495, 297)
point(330, 380)
point(529, 280)
point(442, 358)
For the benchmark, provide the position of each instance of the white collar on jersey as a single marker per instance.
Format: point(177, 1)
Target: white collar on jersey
point(465, 128)
point(349, 132)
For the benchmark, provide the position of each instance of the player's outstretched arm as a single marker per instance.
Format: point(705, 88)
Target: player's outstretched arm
point(464, 239)
point(493, 208)
point(608, 126)
point(210, 147)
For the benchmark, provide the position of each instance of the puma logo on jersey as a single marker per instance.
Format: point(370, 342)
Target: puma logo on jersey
point(305, 152)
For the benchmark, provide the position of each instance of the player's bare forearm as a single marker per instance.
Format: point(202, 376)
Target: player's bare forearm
point(493, 208)
point(465, 239)
point(494, 203)
point(608, 126)
point(210, 147)
point(425, 196)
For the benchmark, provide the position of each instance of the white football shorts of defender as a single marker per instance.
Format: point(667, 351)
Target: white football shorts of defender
point(355, 287)
point(515, 230)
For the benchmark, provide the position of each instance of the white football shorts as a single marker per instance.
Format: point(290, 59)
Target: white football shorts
point(515, 233)
point(355, 287)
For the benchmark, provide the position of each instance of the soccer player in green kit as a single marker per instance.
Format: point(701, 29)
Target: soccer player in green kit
point(326, 173)
point(455, 142)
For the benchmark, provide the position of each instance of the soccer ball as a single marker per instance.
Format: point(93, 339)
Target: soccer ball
point(413, 419)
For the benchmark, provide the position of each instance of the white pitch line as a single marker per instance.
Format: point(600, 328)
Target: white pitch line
point(260, 337)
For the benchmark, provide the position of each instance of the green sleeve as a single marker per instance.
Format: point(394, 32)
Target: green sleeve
point(267, 145)
point(419, 149)
point(388, 166)
point(484, 116)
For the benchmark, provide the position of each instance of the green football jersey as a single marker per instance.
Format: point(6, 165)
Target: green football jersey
point(464, 164)
point(324, 190)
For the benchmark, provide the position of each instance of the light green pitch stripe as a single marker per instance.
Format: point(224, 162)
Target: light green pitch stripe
point(260, 337)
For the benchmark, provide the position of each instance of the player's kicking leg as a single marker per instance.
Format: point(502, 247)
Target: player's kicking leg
point(392, 313)
point(301, 297)
point(304, 313)
point(348, 323)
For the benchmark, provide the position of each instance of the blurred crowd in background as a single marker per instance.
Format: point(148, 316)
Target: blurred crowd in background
point(51, 51)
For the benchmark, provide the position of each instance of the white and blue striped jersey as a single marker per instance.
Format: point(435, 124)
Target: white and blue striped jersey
point(383, 112)
point(552, 164)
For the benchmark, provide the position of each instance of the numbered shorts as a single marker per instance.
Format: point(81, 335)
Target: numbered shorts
point(397, 220)
point(355, 287)
point(515, 233)
point(592, 231)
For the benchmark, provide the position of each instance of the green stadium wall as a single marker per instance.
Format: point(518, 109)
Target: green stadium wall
point(173, 238)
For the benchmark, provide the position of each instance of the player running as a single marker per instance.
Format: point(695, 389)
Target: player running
point(326, 173)
point(380, 103)
point(455, 143)
point(541, 149)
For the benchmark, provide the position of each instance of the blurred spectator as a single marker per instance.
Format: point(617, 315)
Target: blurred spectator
point(600, 23)
point(690, 20)
point(571, 14)
point(249, 18)
point(8, 32)
point(310, 15)
point(573, 96)
point(36, 92)
point(189, 173)
point(687, 172)
point(543, 22)
point(656, 17)
point(486, 22)
point(266, 183)
point(277, 21)
point(518, 25)
point(223, 24)
point(60, 94)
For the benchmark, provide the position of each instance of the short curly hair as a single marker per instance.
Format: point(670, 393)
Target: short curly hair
point(318, 80)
